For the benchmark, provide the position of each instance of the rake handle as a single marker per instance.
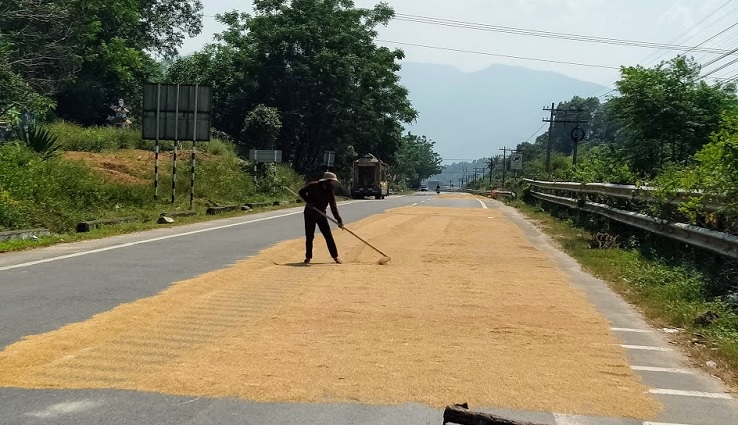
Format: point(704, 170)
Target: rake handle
point(338, 224)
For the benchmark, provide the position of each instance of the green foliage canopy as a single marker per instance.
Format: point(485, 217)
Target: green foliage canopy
point(317, 64)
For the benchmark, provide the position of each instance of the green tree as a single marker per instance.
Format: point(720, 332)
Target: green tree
point(416, 160)
point(668, 113)
point(118, 40)
point(37, 53)
point(262, 126)
point(317, 64)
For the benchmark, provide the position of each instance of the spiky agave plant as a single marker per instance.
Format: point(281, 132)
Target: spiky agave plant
point(39, 140)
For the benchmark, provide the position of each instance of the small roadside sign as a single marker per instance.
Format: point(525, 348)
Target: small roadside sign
point(265, 156)
point(516, 161)
point(329, 158)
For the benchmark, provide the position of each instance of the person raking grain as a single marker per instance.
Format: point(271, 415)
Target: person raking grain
point(319, 195)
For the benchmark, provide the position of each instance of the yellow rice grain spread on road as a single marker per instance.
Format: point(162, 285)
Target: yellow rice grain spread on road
point(467, 311)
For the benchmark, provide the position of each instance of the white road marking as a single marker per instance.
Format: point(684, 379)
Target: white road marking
point(162, 238)
point(659, 423)
point(646, 348)
point(483, 204)
point(415, 204)
point(638, 331)
point(562, 419)
point(59, 409)
point(701, 394)
point(662, 369)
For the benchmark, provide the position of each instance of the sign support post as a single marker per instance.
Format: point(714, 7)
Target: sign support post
point(176, 112)
point(194, 148)
point(157, 147)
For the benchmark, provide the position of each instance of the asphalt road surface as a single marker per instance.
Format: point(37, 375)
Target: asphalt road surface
point(45, 289)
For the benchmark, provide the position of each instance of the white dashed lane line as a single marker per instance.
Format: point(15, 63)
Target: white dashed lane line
point(701, 394)
point(662, 369)
point(631, 330)
point(646, 348)
point(562, 419)
point(659, 423)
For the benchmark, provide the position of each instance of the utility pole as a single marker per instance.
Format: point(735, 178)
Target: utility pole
point(480, 171)
point(504, 164)
point(491, 167)
point(548, 144)
point(504, 161)
point(553, 121)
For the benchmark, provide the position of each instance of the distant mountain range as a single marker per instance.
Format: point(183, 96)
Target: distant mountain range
point(473, 115)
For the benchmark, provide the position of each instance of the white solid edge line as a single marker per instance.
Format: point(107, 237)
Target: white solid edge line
point(662, 369)
point(162, 238)
point(563, 419)
point(659, 423)
point(638, 331)
point(701, 394)
point(646, 348)
point(483, 204)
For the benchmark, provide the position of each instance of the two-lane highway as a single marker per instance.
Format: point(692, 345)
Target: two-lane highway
point(171, 326)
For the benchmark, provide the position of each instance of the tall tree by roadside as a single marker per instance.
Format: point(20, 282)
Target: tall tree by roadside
point(416, 160)
point(315, 61)
point(668, 113)
point(38, 53)
point(118, 41)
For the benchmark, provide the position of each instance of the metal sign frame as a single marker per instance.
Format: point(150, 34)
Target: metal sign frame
point(329, 158)
point(176, 112)
point(265, 156)
point(516, 161)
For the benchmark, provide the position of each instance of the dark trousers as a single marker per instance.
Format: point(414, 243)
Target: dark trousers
point(310, 221)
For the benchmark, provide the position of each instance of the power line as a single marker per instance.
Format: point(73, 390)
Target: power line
point(548, 34)
point(655, 55)
point(714, 36)
point(534, 134)
point(498, 55)
point(688, 30)
point(734, 61)
point(721, 57)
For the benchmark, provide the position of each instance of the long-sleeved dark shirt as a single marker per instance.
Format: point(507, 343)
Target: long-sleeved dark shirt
point(320, 195)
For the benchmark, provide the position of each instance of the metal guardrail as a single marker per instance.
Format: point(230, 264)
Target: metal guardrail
point(628, 192)
point(718, 242)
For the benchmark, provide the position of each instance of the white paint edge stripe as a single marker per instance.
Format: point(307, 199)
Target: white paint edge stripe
point(662, 369)
point(562, 419)
point(701, 394)
point(632, 330)
point(646, 348)
point(659, 423)
point(162, 238)
point(483, 204)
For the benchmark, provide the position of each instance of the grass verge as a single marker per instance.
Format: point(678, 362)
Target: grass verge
point(126, 228)
point(669, 292)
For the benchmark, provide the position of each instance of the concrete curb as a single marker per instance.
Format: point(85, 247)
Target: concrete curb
point(221, 209)
point(86, 226)
point(23, 234)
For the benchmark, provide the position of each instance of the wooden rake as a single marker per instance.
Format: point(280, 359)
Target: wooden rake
point(385, 258)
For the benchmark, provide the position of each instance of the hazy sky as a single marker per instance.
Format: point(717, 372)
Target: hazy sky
point(659, 21)
point(683, 22)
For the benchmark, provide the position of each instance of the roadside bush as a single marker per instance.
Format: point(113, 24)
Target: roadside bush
point(57, 193)
point(94, 139)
